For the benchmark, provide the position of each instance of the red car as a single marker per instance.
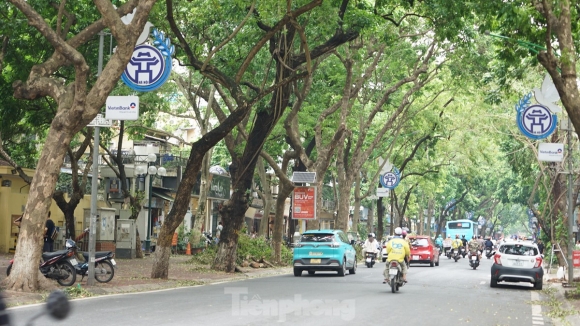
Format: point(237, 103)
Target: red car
point(423, 250)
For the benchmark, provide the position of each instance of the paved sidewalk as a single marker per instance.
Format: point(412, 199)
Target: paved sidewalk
point(551, 279)
point(133, 275)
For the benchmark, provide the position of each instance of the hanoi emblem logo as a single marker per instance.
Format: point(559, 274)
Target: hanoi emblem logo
point(150, 66)
point(390, 180)
point(535, 121)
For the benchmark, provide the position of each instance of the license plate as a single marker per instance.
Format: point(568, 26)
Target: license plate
point(369, 260)
point(415, 257)
point(73, 261)
point(393, 271)
point(518, 263)
point(473, 257)
point(315, 261)
point(113, 262)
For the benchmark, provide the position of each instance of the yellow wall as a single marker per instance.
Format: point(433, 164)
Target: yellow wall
point(13, 200)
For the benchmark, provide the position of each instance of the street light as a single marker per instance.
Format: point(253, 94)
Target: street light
point(535, 48)
point(153, 172)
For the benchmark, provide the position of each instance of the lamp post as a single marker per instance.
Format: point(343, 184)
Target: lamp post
point(535, 48)
point(152, 172)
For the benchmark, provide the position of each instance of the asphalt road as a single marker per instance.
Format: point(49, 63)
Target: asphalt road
point(449, 294)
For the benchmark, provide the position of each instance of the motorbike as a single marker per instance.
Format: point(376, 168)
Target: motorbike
point(104, 266)
point(440, 249)
point(208, 238)
point(57, 306)
point(463, 252)
point(474, 260)
point(395, 276)
point(448, 253)
point(456, 254)
point(58, 265)
point(370, 259)
point(489, 253)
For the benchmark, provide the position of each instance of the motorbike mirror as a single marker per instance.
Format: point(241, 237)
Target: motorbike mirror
point(352, 242)
point(57, 305)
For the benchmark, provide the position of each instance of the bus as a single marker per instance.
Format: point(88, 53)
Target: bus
point(461, 227)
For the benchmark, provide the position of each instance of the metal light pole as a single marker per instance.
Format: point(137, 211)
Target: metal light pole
point(152, 172)
point(535, 48)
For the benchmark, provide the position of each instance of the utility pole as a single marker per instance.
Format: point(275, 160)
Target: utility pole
point(571, 205)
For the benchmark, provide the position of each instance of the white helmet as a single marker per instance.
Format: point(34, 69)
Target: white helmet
point(398, 231)
point(371, 235)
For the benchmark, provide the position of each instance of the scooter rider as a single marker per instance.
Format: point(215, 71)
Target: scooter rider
point(397, 249)
point(439, 242)
point(371, 245)
point(473, 246)
point(456, 244)
point(447, 244)
point(488, 244)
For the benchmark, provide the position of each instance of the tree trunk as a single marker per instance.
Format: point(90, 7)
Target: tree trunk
point(24, 275)
point(284, 191)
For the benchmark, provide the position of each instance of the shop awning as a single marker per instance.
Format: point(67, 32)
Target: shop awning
point(162, 196)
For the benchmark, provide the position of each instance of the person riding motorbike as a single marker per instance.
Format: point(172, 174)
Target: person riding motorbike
point(371, 245)
point(464, 241)
point(397, 249)
point(480, 242)
point(439, 242)
point(488, 244)
point(473, 246)
point(447, 244)
point(456, 244)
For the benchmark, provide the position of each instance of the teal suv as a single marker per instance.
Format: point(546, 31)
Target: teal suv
point(324, 250)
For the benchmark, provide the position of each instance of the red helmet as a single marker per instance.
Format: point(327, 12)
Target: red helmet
point(404, 232)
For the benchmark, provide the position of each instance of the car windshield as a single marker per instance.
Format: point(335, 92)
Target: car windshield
point(518, 249)
point(420, 243)
point(318, 237)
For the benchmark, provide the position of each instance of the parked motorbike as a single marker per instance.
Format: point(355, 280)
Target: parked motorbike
point(104, 266)
point(208, 238)
point(58, 265)
point(473, 260)
point(370, 259)
point(395, 276)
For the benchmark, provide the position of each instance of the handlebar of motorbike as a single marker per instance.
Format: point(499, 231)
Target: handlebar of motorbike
point(57, 306)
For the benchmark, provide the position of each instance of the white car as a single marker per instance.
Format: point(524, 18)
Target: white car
point(517, 261)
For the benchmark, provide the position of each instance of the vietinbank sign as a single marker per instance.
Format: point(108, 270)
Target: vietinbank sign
point(122, 108)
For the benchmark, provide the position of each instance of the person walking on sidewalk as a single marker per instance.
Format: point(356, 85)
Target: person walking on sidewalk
point(48, 230)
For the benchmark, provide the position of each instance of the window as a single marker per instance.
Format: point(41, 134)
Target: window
point(420, 243)
point(518, 250)
point(317, 237)
point(459, 225)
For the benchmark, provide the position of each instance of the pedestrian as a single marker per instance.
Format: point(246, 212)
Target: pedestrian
point(218, 232)
point(48, 230)
point(540, 246)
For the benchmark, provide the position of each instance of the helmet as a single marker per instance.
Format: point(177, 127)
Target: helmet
point(439, 236)
point(457, 236)
point(398, 231)
point(463, 236)
point(404, 232)
point(371, 235)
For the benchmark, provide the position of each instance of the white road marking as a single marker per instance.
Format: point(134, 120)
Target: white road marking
point(537, 318)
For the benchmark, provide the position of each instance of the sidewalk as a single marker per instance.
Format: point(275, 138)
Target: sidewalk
point(552, 281)
point(133, 275)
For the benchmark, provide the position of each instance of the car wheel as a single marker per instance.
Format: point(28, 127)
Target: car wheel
point(353, 269)
point(311, 272)
point(297, 272)
point(342, 269)
point(431, 264)
point(493, 283)
point(538, 285)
